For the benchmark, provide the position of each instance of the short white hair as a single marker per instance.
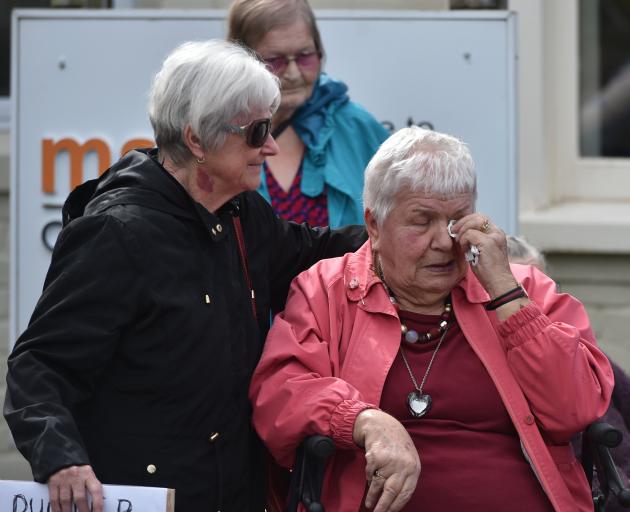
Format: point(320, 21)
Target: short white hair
point(207, 84)
point(417, 160)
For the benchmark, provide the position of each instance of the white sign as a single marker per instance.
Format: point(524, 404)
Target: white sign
point(16, 496)
point(80, 81)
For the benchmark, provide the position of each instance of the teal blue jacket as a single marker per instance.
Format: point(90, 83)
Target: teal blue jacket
point(340, 138)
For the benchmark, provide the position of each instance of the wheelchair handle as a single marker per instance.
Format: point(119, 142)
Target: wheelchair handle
point(604, 434)
point(319, 446)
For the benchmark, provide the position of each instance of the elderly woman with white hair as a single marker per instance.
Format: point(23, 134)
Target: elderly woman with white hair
point(426, 346)
point(136, 363)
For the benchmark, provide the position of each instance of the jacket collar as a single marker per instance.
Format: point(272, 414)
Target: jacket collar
point(139, 179)
point(363, 286)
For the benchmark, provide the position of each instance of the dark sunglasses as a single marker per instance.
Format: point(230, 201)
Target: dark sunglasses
point(305, 61)
point(254, 133)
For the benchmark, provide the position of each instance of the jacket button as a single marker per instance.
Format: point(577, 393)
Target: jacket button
point(354, 283)
point(213, 437)
point(151, 469)
point(529, 419)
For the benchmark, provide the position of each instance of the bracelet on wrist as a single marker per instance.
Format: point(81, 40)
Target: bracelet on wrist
point(515, 293)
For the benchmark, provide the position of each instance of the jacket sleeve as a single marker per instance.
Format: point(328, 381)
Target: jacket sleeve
point(294, 247)
point(90, 293)
point(295, 390)
point(553, 354)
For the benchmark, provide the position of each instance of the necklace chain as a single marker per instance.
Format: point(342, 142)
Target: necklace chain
point(419, 403)
point(426, 373)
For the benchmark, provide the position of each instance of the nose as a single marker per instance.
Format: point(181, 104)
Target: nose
point(292, 70)
point(441, 239)
point(270, 147)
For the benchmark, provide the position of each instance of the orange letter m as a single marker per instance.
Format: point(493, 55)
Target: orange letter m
point(76, 153)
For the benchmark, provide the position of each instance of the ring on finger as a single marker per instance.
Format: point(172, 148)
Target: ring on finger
point(377, 474)
point(485, 227)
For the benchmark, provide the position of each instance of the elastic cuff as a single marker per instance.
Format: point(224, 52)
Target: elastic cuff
point(342, 422)
point(523, 325)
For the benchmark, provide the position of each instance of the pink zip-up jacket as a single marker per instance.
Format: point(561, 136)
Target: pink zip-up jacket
point(328, 354)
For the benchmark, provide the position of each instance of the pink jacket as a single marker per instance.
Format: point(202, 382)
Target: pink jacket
point(328, 354)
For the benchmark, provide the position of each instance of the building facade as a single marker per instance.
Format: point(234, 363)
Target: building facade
point(574, 183)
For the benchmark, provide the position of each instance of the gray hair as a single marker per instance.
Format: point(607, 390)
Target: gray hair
point(207, 84)
point(418, 160)
point(521, 251)
point(249, 21)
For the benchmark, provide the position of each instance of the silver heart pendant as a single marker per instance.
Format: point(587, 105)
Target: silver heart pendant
point(418, 404)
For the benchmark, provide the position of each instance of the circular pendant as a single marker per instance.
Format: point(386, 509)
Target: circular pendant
point(418, 404)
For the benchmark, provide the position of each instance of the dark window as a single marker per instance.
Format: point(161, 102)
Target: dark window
point(604, 34)
point(478, 4)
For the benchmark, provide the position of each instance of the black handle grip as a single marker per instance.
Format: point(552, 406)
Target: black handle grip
point(319, 446)
point(604, 434)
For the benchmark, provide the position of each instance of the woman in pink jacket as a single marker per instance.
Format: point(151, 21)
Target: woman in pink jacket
point(427, 346)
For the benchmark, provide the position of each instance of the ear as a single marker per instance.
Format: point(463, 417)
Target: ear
point(193, 143)
point(372, 228)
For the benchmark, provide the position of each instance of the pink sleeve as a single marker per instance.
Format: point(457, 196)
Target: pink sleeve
point(552, 352)
point(295, 390)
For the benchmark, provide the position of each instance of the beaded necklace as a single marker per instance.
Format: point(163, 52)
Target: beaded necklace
point(411, 335)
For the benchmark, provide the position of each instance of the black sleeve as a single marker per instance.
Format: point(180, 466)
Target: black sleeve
point(91, 291)
point(295, 247)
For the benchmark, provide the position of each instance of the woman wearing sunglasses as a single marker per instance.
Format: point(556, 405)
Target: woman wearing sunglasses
point(325, 140)
point(135, 366)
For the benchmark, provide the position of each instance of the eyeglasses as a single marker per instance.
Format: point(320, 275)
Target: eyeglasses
point(305, 61)
point(254, 133)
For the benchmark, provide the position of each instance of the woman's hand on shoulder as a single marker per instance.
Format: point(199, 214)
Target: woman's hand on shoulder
point(392, 462)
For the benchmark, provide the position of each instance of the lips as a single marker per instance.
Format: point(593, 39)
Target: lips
point(441, 267)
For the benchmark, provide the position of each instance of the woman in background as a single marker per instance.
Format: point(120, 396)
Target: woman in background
point(325, 140)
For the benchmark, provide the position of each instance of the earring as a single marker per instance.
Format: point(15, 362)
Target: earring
point(201, 160)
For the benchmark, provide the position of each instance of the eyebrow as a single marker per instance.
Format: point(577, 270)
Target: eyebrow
point(430, 211)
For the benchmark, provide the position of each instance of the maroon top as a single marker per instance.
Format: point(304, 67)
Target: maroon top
point(469, 450)
point(294, 205)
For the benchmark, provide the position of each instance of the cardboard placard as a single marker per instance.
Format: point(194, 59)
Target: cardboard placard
point(22, 496)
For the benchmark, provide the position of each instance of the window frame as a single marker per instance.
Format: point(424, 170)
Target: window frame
point(5, 113)
point(568, 203)
point(576, 177)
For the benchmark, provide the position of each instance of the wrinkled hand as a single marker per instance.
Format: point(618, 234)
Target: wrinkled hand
point(390, 450)
point(493, 267)
point(72, 484)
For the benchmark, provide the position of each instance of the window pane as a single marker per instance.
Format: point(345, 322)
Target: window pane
point(605, 78)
